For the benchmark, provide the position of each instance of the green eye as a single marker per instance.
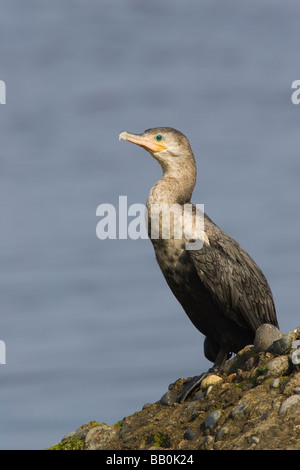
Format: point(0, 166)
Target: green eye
point(158, 137)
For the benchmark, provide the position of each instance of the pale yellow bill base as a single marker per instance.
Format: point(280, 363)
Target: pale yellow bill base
point(147, 142)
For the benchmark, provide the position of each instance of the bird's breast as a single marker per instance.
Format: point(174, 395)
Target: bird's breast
point(173, 261)
point(184, 222)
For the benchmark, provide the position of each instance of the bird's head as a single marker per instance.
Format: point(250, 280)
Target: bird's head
point(168, 146)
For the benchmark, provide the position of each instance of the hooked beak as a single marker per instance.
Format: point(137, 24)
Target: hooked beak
point(148, 142)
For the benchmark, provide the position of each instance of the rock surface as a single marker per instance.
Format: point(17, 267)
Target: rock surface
point(255, 406)
point(265, 335)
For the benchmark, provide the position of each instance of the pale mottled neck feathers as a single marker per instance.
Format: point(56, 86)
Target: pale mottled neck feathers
point(178, 181)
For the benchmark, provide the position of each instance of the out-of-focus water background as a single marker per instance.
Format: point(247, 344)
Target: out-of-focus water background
point(91, 328)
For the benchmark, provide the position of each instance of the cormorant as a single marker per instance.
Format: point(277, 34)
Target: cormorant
point(220, 287)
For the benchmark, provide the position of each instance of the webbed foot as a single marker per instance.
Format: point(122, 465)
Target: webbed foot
point(191, 385)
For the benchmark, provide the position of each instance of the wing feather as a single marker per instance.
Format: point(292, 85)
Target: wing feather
point(237, 284)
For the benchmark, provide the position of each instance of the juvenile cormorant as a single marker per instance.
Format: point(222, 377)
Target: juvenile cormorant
point(220, 287)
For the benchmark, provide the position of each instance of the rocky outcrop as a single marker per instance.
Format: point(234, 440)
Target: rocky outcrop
point(253, 404)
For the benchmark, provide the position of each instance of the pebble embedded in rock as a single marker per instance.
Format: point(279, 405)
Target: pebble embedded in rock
point(146, 405)
point(275, 383)
point(208, 441)
point(212, 419)
point(294, 355)
point(288, 403)
point(250, 363)
point(191, 405)
point(129, 438)
point(222, 433)
point(210, 380)
point(254, 440)
point(169, 398)
point(264, 336)
point(195, 414)
point(277, 367)
point(189, 435)
point(238, 409)
point(231, 377)
point(98, 436)
point(198, 396)
point(282, 345)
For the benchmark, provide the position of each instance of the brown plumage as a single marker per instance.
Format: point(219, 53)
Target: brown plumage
point(220, 287)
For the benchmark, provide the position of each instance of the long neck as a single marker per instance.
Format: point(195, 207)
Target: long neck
point(175, 187)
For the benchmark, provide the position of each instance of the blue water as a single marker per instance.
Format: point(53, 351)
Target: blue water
point(91, 328)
